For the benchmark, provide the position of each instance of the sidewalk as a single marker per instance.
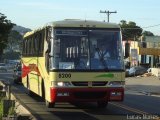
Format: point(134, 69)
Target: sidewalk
point(146, 85)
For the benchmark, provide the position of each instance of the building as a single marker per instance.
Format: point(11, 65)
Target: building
point(150, 50)
point(131, 52)
point(146, 51)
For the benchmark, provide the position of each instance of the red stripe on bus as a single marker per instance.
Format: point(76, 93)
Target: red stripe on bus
point(27, 69)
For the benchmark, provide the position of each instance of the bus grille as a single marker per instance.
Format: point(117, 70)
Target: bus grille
point(99, 83)
point(95, 83)
point(80, 83)
point(89, 95)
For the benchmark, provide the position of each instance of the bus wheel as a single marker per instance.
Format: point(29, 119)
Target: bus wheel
point(102, 104)
point(43, 90)
point(30, 93)
point(50, 104)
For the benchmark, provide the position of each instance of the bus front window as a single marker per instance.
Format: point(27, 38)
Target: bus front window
point(106, 50)
point(70, 49)
point(86, 49)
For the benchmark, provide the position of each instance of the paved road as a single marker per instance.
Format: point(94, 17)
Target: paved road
point(6, 75)
point(148, 85)
point(135, 103)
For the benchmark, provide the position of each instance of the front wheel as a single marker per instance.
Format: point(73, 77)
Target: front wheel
point(30, 93)
point(102, 104)
point(50, 104)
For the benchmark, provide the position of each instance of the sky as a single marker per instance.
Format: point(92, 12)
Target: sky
point(35, 13)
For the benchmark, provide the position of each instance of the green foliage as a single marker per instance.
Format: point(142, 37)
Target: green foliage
point(147, 33)
point(11, 111)
point(1, 105)
point(11, 55)
point(1, 109)
point(5, 27)
point(7, 108)
point(130, 30)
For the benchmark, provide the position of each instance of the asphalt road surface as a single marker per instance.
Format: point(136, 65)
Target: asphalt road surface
point(134, 106)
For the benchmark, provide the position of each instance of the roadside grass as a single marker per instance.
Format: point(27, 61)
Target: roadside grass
point(1, 107)
point(7, 107)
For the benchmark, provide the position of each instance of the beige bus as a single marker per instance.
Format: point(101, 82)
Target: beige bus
point(62, 62)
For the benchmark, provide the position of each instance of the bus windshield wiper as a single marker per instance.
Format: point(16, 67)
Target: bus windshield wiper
point(101, 58)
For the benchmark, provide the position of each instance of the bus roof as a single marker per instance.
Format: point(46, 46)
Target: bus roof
point(75, 23)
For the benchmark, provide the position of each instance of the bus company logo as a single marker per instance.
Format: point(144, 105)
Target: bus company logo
point(33, 67)
point(27, 69)
point(109, 75)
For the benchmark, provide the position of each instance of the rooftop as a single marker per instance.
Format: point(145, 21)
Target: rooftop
point(76, 23)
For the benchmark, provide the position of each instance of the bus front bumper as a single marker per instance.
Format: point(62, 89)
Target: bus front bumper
point(86, 94)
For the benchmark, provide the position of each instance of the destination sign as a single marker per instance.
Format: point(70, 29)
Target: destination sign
point(71, 32)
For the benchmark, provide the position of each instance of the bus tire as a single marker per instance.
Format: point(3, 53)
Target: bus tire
point(43, 90)
point(50, 104)
point(102, 104)
point(30, 93)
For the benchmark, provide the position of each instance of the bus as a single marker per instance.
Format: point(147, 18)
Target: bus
point(59, 64)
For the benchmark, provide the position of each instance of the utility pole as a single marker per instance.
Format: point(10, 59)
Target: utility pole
point(108, 13)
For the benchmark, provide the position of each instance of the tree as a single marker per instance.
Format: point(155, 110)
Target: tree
point(14, 40)
point(130, 30)
point(147, 33)
point(5, 28)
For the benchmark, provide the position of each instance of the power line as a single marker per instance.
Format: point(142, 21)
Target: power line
point(152, 26)
point(108, 13)
point(131, 28)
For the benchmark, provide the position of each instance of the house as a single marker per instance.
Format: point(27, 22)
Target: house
point(131, 52)
point(149, 50)
point(144, 51)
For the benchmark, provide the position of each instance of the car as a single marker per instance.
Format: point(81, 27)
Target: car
point(17, 74)
point(136, 70)
point(3, 67)
point(127, 72)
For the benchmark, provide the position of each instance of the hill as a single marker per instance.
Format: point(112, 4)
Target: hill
point(20, 29)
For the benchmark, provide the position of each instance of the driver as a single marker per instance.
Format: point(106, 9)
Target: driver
point(102, 53)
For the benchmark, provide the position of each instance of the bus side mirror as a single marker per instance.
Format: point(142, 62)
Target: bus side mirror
point(48, 47)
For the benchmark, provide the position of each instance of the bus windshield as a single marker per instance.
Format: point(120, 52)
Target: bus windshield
point(87, 49)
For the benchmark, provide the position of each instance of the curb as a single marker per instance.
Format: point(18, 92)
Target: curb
point(20, 109)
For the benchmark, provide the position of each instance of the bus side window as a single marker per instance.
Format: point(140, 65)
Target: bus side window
point(36, 41)
point(28, 47)
point(41, 43)
point(32, 46)
point(24, 48)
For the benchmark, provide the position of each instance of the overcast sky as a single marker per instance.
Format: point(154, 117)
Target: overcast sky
point(35, 13)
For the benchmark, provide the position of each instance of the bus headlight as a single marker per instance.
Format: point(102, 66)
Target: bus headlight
point(61, 84)
point(116, 84)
